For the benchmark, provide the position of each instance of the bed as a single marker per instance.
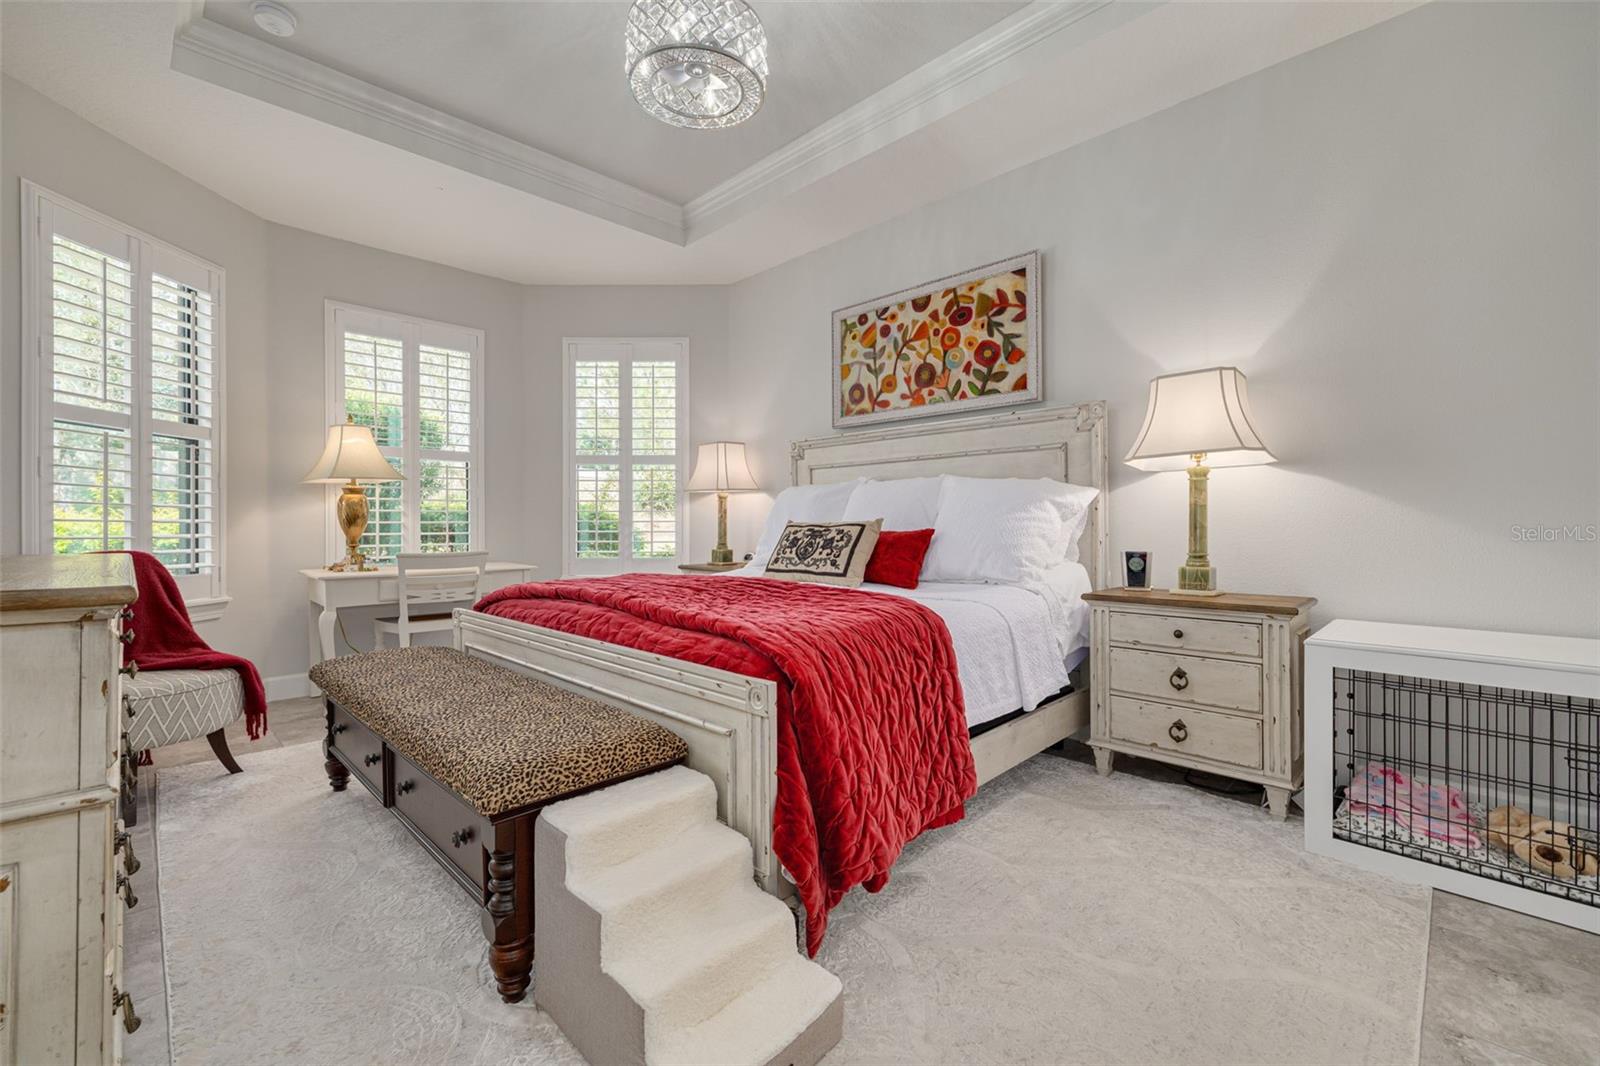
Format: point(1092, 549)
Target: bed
point(728, 719)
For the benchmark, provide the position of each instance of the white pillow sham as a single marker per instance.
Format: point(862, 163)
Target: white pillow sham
point(1005, 530)
point(905, 503)
point(801, 503)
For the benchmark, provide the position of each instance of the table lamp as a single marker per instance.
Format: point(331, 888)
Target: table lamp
point(720, 468)
point(1199, 419)
point(351, 456)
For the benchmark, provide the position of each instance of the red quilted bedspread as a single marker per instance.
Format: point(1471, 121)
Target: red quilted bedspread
point(872, 734)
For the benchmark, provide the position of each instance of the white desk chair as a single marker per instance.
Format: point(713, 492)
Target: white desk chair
point(428, 580)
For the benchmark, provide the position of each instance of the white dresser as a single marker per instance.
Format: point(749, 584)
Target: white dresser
point(62, 858)
point(1205, 682)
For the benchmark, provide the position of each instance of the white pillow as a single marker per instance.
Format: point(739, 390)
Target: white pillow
point(906, 503)
point(1005, 530)
point(801, 503)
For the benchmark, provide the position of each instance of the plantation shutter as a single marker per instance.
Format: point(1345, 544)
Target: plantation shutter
point(625, 455)
point(129, 404)
point(416, 385)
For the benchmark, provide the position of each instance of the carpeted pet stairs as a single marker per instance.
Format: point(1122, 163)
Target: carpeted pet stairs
point(654, 944)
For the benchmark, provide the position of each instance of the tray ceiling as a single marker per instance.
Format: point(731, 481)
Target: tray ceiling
point(500, 138)
point(550, 75)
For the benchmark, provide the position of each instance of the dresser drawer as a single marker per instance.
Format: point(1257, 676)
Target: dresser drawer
point(1186, 634)
point(1187, 679)
point(362, 749)
point(1188, 731)
point(438, 814)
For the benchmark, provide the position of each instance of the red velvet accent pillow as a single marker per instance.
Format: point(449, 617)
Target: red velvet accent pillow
point(897, 560)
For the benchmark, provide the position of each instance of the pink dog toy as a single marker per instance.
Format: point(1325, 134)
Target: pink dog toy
point(1436, 812)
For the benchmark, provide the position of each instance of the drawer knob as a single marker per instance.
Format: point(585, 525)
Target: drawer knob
point(1179, 680)
point(405, 786)
point(124, 1002)
point(461, 836)
point(130, 671)
point(1178, 731)
point(374, 759)
point(1177, 634)
point(126, 636)
point(339, 729)
point(126, 614)
point(127, 708)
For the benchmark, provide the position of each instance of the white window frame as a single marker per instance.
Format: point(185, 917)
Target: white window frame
point(571, 565)
point(205, 597)
point(414, 332)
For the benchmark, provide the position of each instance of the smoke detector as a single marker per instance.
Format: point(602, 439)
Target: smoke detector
point(274, 18)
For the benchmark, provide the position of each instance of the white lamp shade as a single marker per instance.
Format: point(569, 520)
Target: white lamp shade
point(1198, 411)
point(720, 467)
point(351, 453)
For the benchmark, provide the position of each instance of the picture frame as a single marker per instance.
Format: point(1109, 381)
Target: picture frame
point(1136, 570)
point(959, 344)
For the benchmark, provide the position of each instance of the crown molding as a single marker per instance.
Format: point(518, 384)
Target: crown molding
point(214, 53)
point(945, 84)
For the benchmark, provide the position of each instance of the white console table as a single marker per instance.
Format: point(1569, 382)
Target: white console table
point(333, 589)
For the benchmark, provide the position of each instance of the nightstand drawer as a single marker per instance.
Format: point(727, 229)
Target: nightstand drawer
point(1188, 731)
point(1186, 634)
point(1187, 678)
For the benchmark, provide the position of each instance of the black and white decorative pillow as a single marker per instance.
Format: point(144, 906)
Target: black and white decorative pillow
point(829, 553)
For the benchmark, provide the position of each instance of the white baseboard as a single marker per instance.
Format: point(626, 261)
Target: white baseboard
point(289, 687)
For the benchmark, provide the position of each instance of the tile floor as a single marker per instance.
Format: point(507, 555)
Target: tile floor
point(1501, 987)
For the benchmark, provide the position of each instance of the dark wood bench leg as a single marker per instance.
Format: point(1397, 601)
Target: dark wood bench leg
point(338, 776)
point(219, 746)
point(509, 921)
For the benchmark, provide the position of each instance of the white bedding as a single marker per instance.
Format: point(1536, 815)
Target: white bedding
point(1014, 644)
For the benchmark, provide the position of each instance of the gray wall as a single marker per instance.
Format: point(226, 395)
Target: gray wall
point(1395, 236)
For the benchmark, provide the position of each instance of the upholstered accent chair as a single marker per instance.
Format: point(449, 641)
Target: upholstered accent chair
point(171, 706)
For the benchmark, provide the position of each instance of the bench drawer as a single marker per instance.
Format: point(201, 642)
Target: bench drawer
point(1187, 679)
point(458, 831)
point(1188, 731)
point(1186, 634)
point(362, 749)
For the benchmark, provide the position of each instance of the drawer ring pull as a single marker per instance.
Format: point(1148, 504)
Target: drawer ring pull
point(1177, 634)
point(1179, 679)
point(405, 786)
point(461, 836)
point(1178, 731)
point(373, 759)
point(120, 1000)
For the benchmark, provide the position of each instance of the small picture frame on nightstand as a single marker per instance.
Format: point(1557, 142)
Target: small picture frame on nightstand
point(1136, 569)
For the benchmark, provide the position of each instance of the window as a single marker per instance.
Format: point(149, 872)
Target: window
point(417, 384)
point(626, 454)
point(124, 426)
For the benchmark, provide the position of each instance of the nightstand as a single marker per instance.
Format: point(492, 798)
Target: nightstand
point(1205, 682)
point(708, 568)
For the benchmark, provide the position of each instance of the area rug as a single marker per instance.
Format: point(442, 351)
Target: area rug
point(1069, 918)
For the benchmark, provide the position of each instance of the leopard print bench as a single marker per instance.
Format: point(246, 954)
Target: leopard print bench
point(465, 754)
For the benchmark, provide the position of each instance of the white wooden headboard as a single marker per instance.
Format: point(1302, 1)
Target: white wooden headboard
point(1065, 443)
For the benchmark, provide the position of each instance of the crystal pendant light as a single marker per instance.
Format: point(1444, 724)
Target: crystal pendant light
point(701, 64)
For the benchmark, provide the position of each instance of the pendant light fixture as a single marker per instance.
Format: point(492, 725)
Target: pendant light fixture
point(700, 64)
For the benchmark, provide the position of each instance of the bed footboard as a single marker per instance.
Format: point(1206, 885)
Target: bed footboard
point(727, 719)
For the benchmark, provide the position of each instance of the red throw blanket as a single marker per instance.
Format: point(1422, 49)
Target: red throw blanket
point(164, 639)
point(872, 732)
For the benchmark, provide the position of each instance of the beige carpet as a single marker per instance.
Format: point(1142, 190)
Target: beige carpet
point(1070, 918)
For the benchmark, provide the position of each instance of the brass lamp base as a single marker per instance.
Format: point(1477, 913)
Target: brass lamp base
point(351, 510)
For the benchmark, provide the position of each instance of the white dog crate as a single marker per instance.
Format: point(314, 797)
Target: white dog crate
point(1463, 759)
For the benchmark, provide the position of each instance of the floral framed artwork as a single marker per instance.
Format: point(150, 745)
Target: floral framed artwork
point(959, 344)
